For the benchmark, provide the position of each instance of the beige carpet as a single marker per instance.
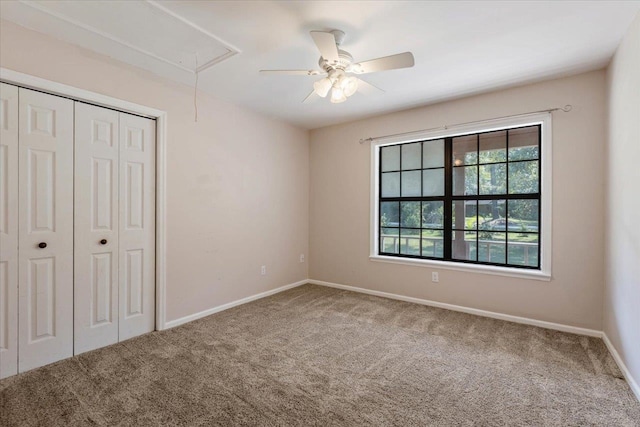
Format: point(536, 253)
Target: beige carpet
point(320, 356)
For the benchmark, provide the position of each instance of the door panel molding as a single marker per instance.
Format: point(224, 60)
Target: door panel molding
point(96, 289)
point(45, 229)
point(137, 226)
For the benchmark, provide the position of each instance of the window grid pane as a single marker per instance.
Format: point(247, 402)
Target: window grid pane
point(465, 180)
point(390, 158)
point(432, 243)
point(411, 156)
point(390, 184)
point(389, 240)
point(433, 154)
point(433, 182)
point(411, 185)
point(493, 147)
point(409, 241)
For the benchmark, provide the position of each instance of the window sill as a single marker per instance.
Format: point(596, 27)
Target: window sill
point(471, 268)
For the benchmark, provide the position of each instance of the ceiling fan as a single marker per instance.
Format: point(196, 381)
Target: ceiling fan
point(338, 65)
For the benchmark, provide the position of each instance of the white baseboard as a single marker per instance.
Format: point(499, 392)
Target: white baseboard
point(195, 316)
point(627, 375)
point(477, 312)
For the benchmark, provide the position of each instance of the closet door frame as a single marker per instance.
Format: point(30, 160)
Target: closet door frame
point(161, 117)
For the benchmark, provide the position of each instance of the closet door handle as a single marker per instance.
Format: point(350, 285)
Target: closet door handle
point(42, 245)
point(103, 241)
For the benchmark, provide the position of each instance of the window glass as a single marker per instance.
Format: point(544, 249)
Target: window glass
point(493, 147)
point(523, 177)
point(493, 178)
point(465, 150)
point(409, 241)
point(492, 247)
point(411, 156)
point(390, 184)
point(465, 181)
point(523, 143)
point(390, 158)
point(523, 215)
point(433, 214)
point(522, 249)
point(492, 215)
point(433, 182)
point(389, 240)
point(463, 245)
point(433, 154)
point(390, 214)
point(464, 215)
point(411, 183)
point(433, 243)
point(410, 214)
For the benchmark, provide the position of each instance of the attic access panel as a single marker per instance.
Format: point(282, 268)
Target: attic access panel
point(146, 27)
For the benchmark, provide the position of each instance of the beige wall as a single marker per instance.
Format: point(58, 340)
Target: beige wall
point(622, 290)
point(339, 213)
point(237, 182)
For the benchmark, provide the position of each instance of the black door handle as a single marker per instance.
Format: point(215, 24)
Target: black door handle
point(103, 241)
point(42, 245)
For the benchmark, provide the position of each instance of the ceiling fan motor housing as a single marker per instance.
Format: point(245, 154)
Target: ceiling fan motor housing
point(344, 60)
point(338, 35)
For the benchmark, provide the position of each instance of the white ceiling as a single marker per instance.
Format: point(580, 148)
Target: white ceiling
point(460, 48)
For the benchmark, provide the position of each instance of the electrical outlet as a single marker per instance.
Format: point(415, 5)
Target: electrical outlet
point(301, 257)
point(263, 270)
point(434, 277)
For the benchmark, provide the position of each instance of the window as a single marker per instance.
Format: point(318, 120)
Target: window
point(470, 197)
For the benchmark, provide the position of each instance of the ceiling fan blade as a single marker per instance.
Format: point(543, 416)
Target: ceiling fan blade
point(293, 72)
point(401, 60)
point(367, 88)
point(326, 43)
point(313, 96)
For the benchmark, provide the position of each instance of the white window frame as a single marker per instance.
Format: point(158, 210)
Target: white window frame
point(543, 119)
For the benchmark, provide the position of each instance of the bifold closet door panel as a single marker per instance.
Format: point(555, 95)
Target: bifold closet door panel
point(96, 227)
point(8, 230)
point(137, 225)
point(45, 266)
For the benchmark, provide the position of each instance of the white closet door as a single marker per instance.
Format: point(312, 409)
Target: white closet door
point(96, 228)
point(8, 230)
point(137, 226)
point(45, 267)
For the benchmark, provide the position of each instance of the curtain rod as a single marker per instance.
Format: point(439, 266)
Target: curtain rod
point(565, 109)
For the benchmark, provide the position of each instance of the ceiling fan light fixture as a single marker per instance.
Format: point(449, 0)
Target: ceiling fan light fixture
point(349, 85)
point(337, 95)
point(322, 87)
